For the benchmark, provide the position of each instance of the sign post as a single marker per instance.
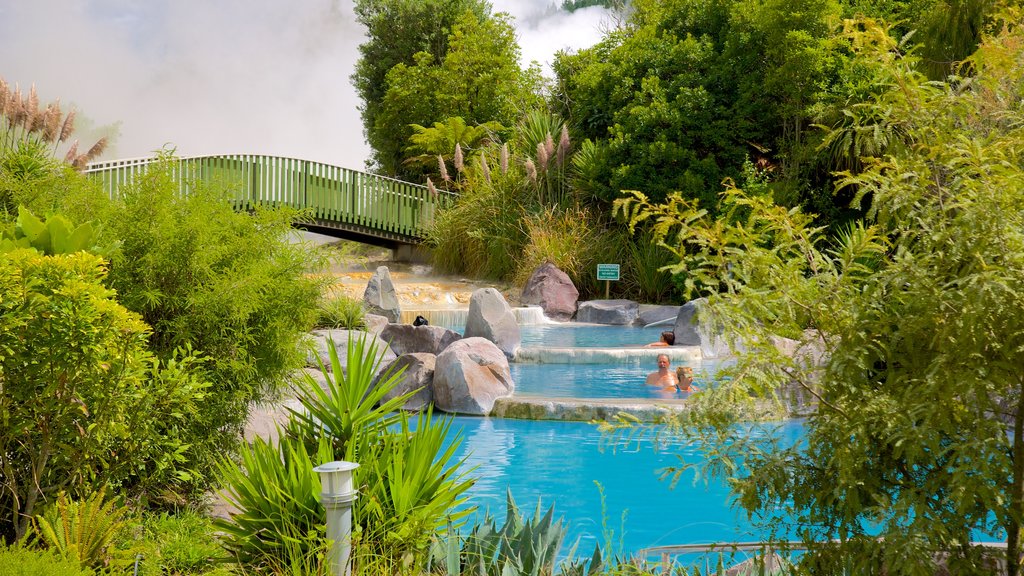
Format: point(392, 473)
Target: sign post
point(608, 273)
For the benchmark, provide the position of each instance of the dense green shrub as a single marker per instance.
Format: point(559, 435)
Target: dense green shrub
point(180, 543)
point(340, 311)
point(228, 284)
point(21, 561)
point(80, 390)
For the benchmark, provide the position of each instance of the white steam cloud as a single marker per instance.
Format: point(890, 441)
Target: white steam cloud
point(232, 76)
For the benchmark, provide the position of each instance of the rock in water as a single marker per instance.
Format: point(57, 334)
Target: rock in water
point(616, 312)
point(418, 376)
point(405, 338)
point(470, 375)
point(491, 317)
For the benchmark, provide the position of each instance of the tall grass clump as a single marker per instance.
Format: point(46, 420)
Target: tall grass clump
point(483, 229)
point(31, 134)
point(574, 239)
point(338, 310)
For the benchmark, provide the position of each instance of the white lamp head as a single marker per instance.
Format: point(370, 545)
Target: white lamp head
point(336, 477)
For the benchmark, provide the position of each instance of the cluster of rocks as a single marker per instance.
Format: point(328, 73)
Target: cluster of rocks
point(455, 373)
point(467, 374)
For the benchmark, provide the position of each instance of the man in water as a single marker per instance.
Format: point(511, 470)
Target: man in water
point(663, 378)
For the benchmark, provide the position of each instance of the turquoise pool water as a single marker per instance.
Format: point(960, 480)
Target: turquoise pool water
point(604, 381)
point(568, 464)
point(572, 335)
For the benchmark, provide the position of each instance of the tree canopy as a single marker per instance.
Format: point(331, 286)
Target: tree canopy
point(914, 444)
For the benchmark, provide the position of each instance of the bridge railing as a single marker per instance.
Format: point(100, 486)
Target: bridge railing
point(329, 193)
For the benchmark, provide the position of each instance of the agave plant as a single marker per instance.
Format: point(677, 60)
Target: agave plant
point(521, 547)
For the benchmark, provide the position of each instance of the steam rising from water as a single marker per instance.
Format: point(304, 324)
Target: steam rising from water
point(232, 76)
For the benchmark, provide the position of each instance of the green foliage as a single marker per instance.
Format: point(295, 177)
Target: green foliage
point(54, 236)
point(21, 561)
point(181, 543)
point(521, 547)
point(915, 437)
point(276, 492)
point(477, 79)
point(227, 284)
point(340, 311)
point(397, 30)
point(407, 480)
point(85, 531)
point(574, 240)
point(80, 389)
point(480, 233)
point(431, 146)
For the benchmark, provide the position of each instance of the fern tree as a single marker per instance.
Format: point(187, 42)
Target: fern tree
point(914, 445)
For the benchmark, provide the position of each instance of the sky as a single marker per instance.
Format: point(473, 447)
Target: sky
point(223, 76)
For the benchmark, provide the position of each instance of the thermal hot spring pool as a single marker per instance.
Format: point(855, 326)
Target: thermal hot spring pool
point(597, 485)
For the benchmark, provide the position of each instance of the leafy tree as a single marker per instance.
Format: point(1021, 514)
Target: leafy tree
point(908, 331)
point(689, 90)
point(478, 80)
point(397, 30)
point(229, 285)
point(82, 401)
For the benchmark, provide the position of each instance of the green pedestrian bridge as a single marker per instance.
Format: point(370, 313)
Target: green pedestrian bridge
point(336, 201)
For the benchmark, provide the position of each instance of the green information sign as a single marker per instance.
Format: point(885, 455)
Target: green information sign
point(608, 272)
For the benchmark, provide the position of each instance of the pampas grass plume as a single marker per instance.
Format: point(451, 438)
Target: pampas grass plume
point(542, 156)
point(442, 168)
point(485, 169)
point(457, 160)
point(430, 187)
point(503, 159)
point(68, 127)
point(563, 145)
point(531, 170)
point(72, 153)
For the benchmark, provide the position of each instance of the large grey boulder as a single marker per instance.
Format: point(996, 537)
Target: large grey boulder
point(374, 323)
point(553, 291)
point(418, 376)
point(319, 347)
point(406, 338)
point(470, 375)
point(649, 314)
point(380, 296)
point(686, 328)
point(617, 312)
point(491, 317)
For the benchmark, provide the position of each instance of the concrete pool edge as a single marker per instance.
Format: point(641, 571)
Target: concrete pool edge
point(584, 410)
point(541, 355)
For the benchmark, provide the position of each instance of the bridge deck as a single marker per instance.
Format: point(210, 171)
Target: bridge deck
point(335, 201)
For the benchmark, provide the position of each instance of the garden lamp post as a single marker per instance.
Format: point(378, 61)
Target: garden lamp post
point(337, 495)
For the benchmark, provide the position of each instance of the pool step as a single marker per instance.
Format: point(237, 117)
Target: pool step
point(585, 410)
point(538, 355)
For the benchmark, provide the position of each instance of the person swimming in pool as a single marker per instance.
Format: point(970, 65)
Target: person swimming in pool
point(668, 338)
point(684, 379)
point(663, 378)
